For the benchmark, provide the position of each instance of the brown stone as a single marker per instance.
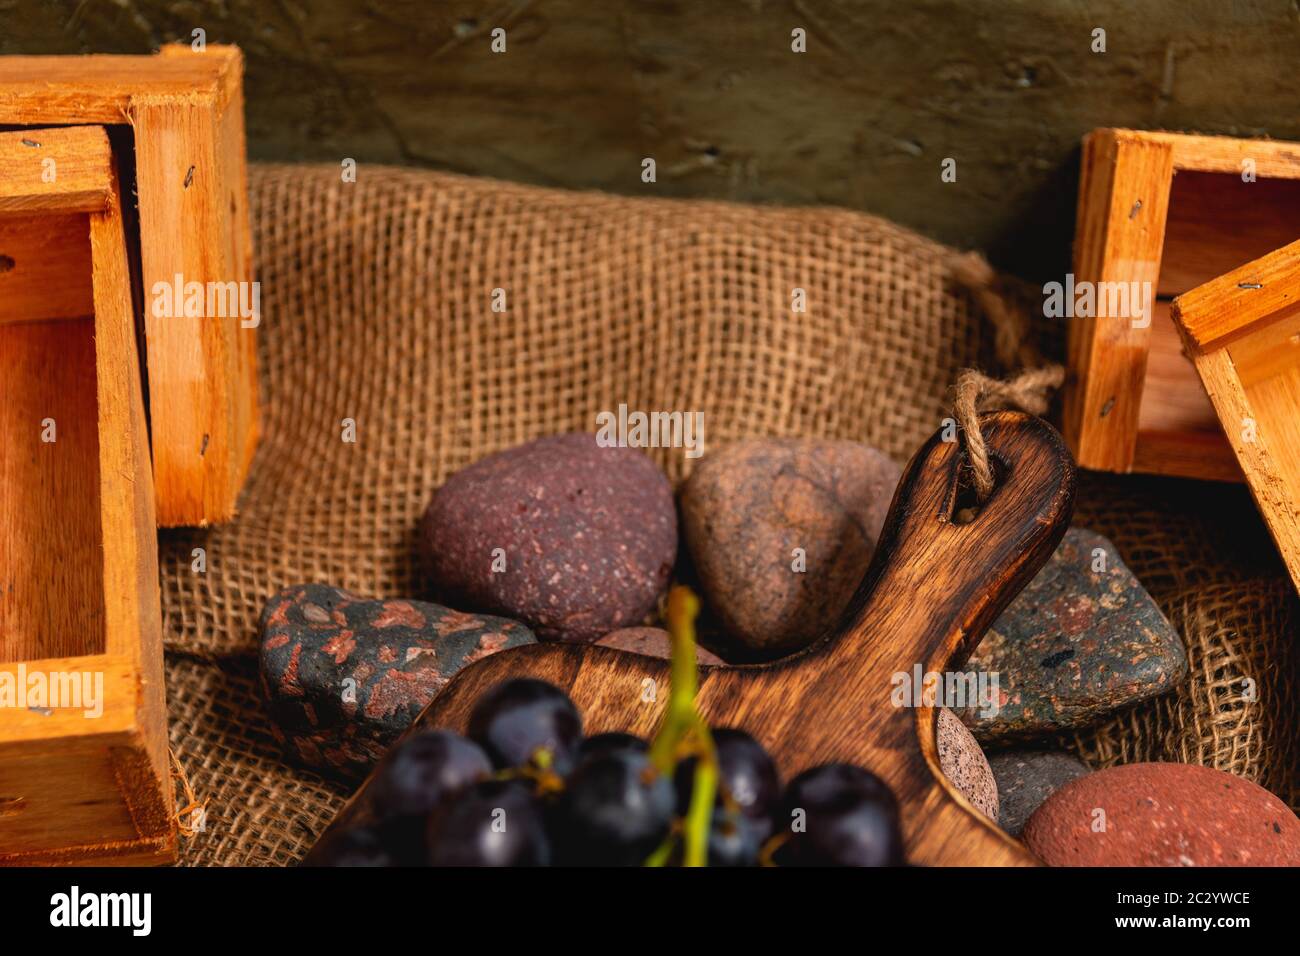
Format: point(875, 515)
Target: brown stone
point(1164, 814)
point(652, 642)
point(964, 764)
point(746, 509)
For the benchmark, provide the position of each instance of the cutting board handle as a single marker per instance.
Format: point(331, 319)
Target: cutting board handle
point(949, 578)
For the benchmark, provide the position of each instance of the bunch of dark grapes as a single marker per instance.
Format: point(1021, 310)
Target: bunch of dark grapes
point(527, 789)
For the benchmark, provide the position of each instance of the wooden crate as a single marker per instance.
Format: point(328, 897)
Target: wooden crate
point(180, 114)
point(1243, 333)
point(1174, 211)
point(78, 542)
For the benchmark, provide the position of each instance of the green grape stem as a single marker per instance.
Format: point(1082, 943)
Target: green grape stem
point(683, 732)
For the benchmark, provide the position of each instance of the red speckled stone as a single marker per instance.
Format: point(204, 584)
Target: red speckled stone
point(1164, 814)
point(588, 536)
point(344, 676)
point(652, 642)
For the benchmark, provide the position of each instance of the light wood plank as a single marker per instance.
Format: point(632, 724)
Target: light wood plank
point(55, 170)
point(1123, 201)
point(99, 89)
point(1249, 361)
point(1225, 308)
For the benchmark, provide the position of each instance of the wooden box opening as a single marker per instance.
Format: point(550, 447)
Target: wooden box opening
point(1217, 221)
point(51, 534)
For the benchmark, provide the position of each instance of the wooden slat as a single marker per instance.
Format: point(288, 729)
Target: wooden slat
point(204, 369)
point(1222, 154)
point(38, 90)
point(55, 170)
point(1246, 346)
point(1123, 201)
point(1222, 308)
point(132, 603)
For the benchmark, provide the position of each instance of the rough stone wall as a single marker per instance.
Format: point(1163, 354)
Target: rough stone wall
point(711, 90)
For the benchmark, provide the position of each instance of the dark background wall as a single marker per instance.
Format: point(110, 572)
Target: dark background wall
point(711, 90)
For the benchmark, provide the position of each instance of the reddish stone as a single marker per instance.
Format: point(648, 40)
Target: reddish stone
point(652, 642)
point(571, 538)
point(1164, 814)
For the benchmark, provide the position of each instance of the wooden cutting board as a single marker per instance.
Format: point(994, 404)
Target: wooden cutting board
point(931, 591)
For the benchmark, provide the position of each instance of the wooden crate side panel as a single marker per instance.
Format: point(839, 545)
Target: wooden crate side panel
point(189, 357)
point(238, 243)
point(1120, 234)
point(51, 540)
point(1262, 427)
point(133, 605)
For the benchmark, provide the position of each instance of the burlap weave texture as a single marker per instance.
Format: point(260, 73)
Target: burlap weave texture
point(378, 308)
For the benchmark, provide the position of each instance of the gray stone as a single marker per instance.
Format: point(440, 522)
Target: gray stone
point(1083, 639)
point(1026, 778)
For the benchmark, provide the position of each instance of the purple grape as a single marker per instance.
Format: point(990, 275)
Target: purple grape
point(516, 720)
point(423, 771)
point(610, 742)
point(745, 772)
point(839, 815)
point(735, 839)
point(615, 810)
point(493, 823)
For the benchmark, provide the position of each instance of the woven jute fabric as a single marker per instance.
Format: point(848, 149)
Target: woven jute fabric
point(438, 318)
point(1238, 711)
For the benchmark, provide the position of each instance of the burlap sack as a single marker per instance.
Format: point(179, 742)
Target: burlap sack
point(378, 308)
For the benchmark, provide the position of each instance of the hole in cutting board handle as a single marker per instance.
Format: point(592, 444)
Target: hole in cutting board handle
point(965, 505)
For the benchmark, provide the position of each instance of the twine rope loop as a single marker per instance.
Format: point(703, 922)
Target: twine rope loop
point(1029, 390)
